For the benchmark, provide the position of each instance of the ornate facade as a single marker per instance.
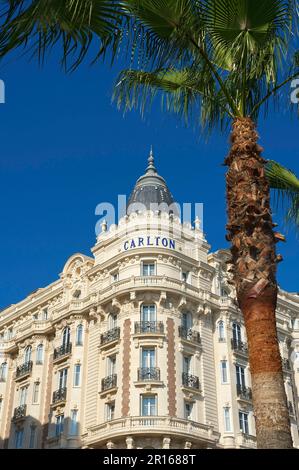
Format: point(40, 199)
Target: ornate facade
point(139, 346)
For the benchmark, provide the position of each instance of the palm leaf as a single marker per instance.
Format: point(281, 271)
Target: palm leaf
point(286, 185)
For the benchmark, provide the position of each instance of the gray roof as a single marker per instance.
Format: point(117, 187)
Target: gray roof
point(150, 192)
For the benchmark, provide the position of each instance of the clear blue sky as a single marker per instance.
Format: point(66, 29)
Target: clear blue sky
point(65, 148)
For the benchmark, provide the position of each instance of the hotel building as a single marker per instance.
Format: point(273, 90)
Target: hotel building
point(140, 345)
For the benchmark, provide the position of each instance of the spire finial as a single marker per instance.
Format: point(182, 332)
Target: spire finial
point(151, 162)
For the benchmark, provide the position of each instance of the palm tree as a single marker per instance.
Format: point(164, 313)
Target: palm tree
point(286, 185)
point(219, 62)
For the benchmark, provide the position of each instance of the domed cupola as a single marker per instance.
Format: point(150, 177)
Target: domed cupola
point(151, 192)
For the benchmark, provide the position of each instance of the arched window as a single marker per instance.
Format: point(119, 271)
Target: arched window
point(237, 337)
point(3, 372)
point(221, 331)
point(66, 337)
point(39, 354)
point(79, 335)
point(27, 354)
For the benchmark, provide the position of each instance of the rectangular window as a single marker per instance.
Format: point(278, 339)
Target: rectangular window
point(1, 401)
point(188, 410)
point(243, 420)
point(240, 376)
point(110, 411)
point(226, 414)
point(62, 378)
point(23, 395)
point(148, 313)
point(115, 277)
point(187, 365)
point(149, 405)
point(187, 321)
point(148, 359)
point(77, 372)
point(112, 321)
point(32, 437)
point(45, 314)
point(35, 392)
point(148, 269)
point(19, 435)
point(111, 365)
point(185, 276)
point(59, 425)
point(224, 376)
point(74, 423)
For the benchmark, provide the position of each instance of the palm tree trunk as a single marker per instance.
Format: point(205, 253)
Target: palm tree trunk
point(250, 229)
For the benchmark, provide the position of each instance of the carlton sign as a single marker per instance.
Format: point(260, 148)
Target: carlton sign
point(140, 242)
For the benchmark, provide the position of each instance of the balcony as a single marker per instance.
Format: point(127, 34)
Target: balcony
point(62, 351)
point(190, 381)
point(286, 365)
point(244, 393)
point(189, 335)
point(24, 370)
point(59, 395)
point(149, 327)
point(19, 412)
point(110, 336)
point(239, 346)
point(149, 374)
point(108, 383)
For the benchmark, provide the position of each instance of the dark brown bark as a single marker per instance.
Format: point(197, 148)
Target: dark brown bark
point(250, 230)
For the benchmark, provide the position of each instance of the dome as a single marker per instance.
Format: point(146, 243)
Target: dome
point(151, 192)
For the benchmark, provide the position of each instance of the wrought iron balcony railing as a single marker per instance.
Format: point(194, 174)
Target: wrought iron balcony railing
point(110, 335)
point(239, 346)
point(149, 327)
point(109, 382)
point(148, 374)
point(190, 381)
point(244, 392)
point(19, 412)
point(189, 334)
point(24, 369)
point(59, 395)
point(286, 364)
point(62, 350)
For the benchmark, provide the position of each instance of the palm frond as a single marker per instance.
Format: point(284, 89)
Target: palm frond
point(38, 25)
point(286, 185)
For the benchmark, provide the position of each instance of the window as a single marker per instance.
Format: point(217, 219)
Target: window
point(35, 392)
point(74, 423)
point(3, 372)
point(187, 365)
point(148, 358)
point(27, 354)
point(32, 437)
point(77, 294)
point(66, 337)
point(115, 276)
point(79, 335)
point(112, 321)
point(23, 395)
point(243, 420)
point(148, 313)
point(237, 337)
point(1, 402)
point(39, 354)
point(111, 365)
point(221, 331)
point(226, 414)
point(149, 405)
point(62, 378)
point(148, 269)
point(224, 377)
point(185, 276)
point(224, 292)
point(10, 333)
point(45, 314)
point(187, 320)
point(59, 425)
point(19, 435)
point(110, 411)
point(240, 376)
point(188, 410)
point(77, 372)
